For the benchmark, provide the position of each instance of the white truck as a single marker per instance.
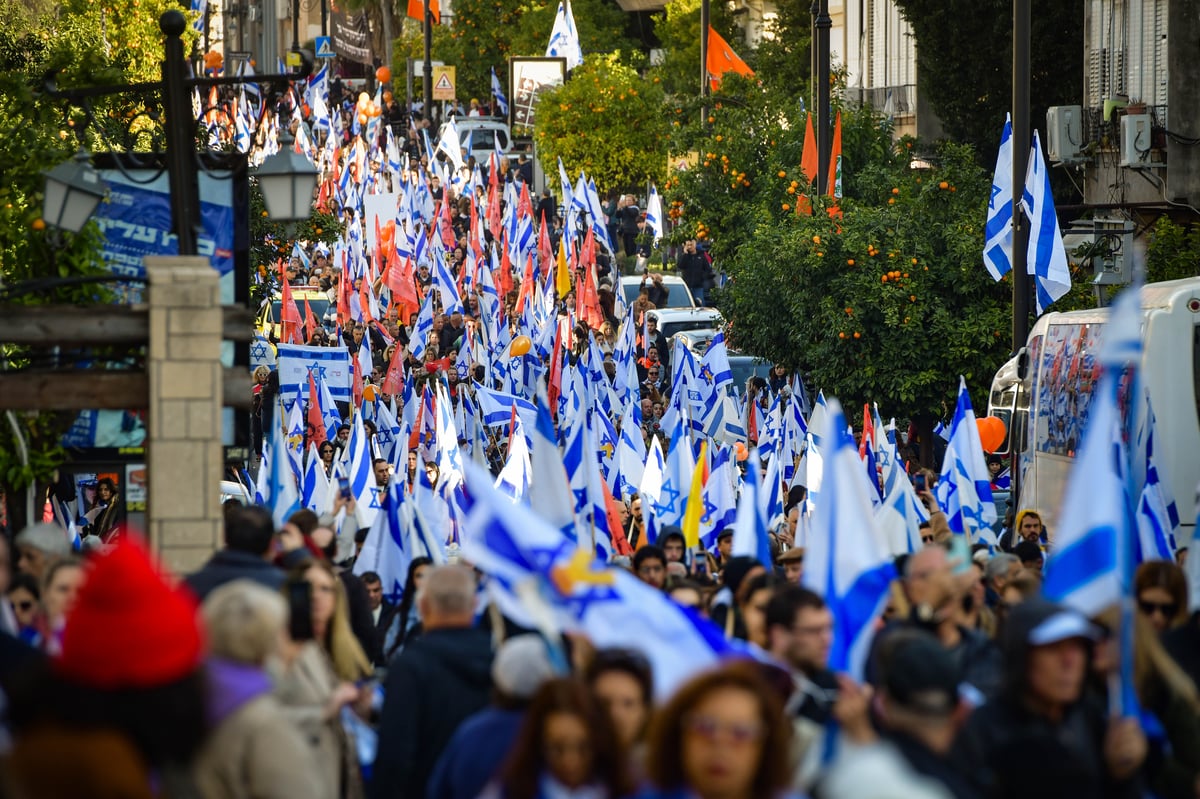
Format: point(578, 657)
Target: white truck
point(1044, 401)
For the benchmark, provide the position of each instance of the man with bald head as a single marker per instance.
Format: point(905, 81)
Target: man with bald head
point(433, 685)
point(937, 584)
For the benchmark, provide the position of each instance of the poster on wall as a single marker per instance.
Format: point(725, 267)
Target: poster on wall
point(528, 78)
point(135, 487)
point(351, 36)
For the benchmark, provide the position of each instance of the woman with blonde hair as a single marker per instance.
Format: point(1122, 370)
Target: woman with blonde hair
point(321, 663)
point(252, 751)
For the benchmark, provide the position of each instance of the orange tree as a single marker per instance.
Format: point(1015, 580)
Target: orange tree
point(608, 121)
point(886, 302)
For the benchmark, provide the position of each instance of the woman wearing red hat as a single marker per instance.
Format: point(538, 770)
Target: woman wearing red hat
point(119, 711)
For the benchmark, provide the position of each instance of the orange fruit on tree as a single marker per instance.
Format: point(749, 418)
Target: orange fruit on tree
point(38, 224)
point(850, 262)
point(782, 174)
point(841, 335)
point(944, 185)
point(857, 334)
point(883, 278)
point(895, 190)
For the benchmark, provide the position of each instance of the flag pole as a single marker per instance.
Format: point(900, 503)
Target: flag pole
point(822, 22)
point(427, 77)
point(705, 24)
point(1020, 163)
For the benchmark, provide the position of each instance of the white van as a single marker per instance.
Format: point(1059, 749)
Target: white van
point(480, 136)
point(1046, 412)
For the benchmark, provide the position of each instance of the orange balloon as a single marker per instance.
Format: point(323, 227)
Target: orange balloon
point(374, 110)
point(991, 433)
point(363, 99)
point(520, 346)
point(369, 393)
point(383, 75)
point(740, 452)
point(362, 118)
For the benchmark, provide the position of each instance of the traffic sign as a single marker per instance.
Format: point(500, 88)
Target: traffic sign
point(325, 47)
point(443, 83)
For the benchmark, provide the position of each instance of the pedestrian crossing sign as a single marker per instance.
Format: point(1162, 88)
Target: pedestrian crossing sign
point(324, 47)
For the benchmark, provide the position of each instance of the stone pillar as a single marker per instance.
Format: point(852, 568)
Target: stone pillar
point(184, 456)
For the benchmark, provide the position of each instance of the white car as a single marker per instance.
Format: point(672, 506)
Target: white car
point(679, 320)
point(678, 294)
point(479, 136)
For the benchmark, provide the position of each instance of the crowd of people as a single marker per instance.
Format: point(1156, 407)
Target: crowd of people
point(275, 671)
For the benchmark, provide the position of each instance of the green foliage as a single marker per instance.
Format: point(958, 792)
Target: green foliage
point(486, 33)
point(272, 241)
point(1174, 251)
point(964, 63)
point(608, 121)
point(801, 287)
point(888, 303)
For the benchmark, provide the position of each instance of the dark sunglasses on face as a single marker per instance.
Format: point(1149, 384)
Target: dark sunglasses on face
point(1167, 609)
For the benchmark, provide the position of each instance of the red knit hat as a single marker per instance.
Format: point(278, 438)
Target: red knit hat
point(129, 628)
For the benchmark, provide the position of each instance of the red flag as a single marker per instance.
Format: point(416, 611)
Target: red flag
point(621, 544)
point(310, 320)
point(808, 157)
point(357, 376)
point(868, 435)
point(315, 420)
point(503, 279)
point(290, 322)
point(555, 383)
point(545, 249)
point(526, 285)
point(393, 381)
point(404, 290)
point(343, 295)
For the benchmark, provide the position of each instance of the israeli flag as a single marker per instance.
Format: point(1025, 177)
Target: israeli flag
point(419, 340)
point(654, 213)
point(998, 230)
point(514, 479)
point(549, 492)
point(964, 490)
point(497, 407)
point(315, 486)
point(846, 560)
point(564, 37)
point(539, 579)
point(498, 93)
point(650, 489)
point(677, 478)
point(361, 473)
point(751, 535)
point(1157, 515)
point(281, 495)
point(1047, 255)
point(331, 365)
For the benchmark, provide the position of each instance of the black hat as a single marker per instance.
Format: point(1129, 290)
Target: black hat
point(920, 675)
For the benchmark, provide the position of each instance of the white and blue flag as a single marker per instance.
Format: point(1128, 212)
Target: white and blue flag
point(964, 490)
point(1047, 254)
point(564, 40)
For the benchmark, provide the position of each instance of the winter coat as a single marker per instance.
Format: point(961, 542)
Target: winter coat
point(304, 690)
point(432, 687)
point(252, 752)
point(474, 754)
point(227, 565)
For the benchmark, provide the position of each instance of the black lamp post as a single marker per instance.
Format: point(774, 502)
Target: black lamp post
point(181, 155)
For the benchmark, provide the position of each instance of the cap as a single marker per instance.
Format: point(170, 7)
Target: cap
point(129, 627)
point(725, 533)
point(791, 555)
point(920, 675)
point(521, 665)
point(1061, 625)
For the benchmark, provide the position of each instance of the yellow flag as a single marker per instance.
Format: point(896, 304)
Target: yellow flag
point(562, 277)
point(695, 503)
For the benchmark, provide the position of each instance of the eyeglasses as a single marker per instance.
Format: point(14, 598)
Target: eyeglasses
point(1167, 609)
point(710, 729)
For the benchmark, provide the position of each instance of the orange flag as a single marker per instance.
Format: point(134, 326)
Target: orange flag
point(808, 165)
point(416, 10)
point(722, 59)
point(310, 320)
point(835, 168)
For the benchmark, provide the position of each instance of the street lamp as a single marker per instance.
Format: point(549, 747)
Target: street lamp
point(287, 181)
point(73, 190)
point(64, 209)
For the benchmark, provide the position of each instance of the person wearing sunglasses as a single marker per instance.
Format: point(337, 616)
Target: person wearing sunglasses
point(722, 734)
point(1162, 594)
point(24, 594)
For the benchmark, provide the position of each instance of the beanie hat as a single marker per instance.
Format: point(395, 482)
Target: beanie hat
point(521, 665)
point(129, 628)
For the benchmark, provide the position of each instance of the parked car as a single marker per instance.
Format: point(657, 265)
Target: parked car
point(678, 320)
point(481, 135)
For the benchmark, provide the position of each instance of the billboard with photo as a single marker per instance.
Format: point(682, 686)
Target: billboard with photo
point(527, 79)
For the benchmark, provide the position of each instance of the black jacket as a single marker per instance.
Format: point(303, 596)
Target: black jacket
point(432, 686)
point(228, 565)
point(693, 268)
point(928, 763)
point(1009, 752)
point(976, 658)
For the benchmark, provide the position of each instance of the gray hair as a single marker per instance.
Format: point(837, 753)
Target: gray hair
point(46, 537)
point(244, 620)
point(449, 590)
point(999, 566)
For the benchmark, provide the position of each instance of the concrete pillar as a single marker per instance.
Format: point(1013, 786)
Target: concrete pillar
point(184, 457)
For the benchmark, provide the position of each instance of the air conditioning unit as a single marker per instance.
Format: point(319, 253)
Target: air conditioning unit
point(1064, 133)
point(1135, 140)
